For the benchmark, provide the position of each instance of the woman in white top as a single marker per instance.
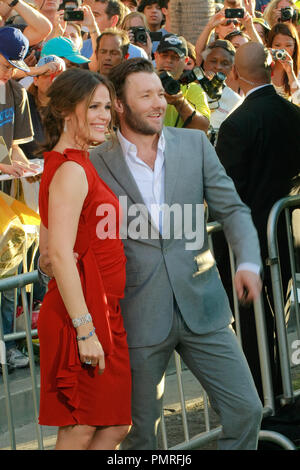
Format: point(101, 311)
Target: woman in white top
point(285, 71)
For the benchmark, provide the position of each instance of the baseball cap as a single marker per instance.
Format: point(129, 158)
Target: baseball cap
point(14, 47)
point(262, 21)
point(51, 58)
point(172, 42)
point(63, 47)
point(222, 43)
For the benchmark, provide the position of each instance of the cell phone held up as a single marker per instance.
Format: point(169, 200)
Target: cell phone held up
point(70, 13)
point(234, 13)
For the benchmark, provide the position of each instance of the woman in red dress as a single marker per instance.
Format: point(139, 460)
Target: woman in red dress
point(85, 371)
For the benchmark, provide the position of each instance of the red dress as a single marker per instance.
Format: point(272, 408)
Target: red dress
point(72, 392)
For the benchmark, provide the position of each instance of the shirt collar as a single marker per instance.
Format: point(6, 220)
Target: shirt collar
point(257, 88)
point(127, 146)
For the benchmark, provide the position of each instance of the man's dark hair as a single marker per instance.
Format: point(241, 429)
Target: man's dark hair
point(144, 3)
point(120, 72)
point(114, 7)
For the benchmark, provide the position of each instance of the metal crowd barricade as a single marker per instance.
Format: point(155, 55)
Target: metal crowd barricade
point(20, 281)
point(283, 205)
point(210, 433)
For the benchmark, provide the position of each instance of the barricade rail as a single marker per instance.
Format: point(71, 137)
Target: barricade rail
point(209, 435)
point(20, 281)
point(283, 205)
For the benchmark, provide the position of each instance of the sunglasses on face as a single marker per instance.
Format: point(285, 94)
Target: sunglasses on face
point(228, 22)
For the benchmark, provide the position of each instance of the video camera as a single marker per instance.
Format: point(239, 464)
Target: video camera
point(70, 13)
point(213, 87)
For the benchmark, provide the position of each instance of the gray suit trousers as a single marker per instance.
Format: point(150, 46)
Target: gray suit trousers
point(217, 361)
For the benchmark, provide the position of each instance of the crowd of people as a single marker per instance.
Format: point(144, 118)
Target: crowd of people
point(164, 121)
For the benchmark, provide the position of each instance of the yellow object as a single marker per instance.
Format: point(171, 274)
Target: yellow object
point(18, 230)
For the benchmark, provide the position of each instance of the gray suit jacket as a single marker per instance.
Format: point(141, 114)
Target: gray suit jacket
point(158, 269)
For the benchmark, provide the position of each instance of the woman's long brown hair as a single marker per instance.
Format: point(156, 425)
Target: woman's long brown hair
point(68, 90)
point(287, 29)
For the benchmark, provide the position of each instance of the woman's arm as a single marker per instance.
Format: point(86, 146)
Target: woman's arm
point(38, 26)
point(250, 29)
point(67, 193)
point(90, 22)
point(47, 69)
point(203, 38)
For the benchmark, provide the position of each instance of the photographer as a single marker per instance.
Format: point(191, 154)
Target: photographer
point(284, 37)
point(219, 57)
point(273, 13)
point(88, 21)
point(136, 25)
point(189, 107)
point(107, 14)
point(222, 25)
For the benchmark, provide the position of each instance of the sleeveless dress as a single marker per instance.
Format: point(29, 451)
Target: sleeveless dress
point(72, 392)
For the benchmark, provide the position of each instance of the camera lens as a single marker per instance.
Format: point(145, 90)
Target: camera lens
point(281, 55)
point(171, 86)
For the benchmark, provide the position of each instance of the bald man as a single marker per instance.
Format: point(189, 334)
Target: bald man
point(259, 146)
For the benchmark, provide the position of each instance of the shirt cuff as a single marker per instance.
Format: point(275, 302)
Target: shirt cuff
point(254, 268)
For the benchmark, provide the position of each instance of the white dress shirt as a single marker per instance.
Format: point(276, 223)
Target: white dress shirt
point(151, 183)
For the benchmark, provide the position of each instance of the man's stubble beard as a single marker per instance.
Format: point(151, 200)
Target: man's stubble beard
point(136, 123)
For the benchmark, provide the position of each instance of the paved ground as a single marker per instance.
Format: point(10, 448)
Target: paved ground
point(26, 435)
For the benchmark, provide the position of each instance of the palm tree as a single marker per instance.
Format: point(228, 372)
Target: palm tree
point(188, 17)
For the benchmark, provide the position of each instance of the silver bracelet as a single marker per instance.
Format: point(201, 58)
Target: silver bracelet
point(87, 318)
point(83, 338)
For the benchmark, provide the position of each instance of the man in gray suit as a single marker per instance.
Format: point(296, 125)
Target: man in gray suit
point(173, 302)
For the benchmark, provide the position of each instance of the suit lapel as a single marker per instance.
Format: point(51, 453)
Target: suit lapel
point(115, 161)
point(172, 160)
